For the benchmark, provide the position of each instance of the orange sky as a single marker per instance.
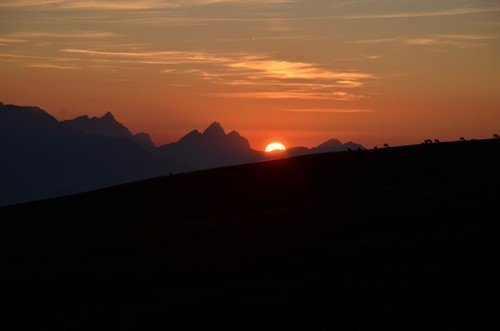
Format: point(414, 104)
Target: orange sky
point(300, 72)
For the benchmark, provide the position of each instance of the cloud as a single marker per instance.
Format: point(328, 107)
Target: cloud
point(118, 5)
point(76, 35)
point(329, 110)
point(469, 36)
point(349, 83)
point(446, 12)
point(276, 79)
point(124, 5)
point(244, 2)
point(166, 57)
point(7, 41)
point(52, 66)
point(292, 86)
point(265, 76)
point(88, 5)
point(296, 70)
point(450, 40)
point(341, 96)
point(276, 14)
point(28, 3)
point(344, 96)
point(271, 95)
point(240, 62)
point(371, 57)
point(376, 41)
point(30, 57)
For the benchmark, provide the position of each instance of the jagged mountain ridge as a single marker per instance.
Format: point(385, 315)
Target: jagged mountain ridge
point(108, 126)
point(46, 158)
point(212, 148)
point(43, 158)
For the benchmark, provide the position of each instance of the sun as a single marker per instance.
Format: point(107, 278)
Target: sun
point(275, 146)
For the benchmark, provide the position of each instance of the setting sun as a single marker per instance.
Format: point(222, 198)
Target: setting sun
point(276, 146)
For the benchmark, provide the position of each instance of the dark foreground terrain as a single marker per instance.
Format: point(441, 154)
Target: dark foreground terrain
point(398, 238)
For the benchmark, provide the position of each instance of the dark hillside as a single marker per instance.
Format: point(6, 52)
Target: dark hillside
point(397, 238)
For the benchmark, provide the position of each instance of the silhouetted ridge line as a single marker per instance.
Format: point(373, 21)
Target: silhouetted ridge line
point(214, 130)
point(86, 153)
point(106, 125)
point(45, 158)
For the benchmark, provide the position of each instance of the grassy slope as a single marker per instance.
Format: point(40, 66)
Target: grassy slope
point(396, 238)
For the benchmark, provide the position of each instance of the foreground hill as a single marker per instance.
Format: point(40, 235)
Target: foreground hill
point(398, 238)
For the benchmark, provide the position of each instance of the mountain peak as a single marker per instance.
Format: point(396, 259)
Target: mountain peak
point(215, 129)
point(106, 125)
point(143, 139)
point(26, 113)
point(335, 145)
point(108, 116)
point(234, 134)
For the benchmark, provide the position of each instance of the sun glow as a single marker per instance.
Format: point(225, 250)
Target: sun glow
point(275, 146)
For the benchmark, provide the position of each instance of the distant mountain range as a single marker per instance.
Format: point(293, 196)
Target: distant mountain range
point(211, 148)
point(43, 157)
point(108, 126)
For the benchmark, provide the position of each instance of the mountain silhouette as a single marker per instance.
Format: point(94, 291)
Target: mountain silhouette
point(210, 149)
point(46, 158)
point(108, 126)
point(214, 148)
point(214, 131)
point(329, 146)
point(334, 145)
point(13, 118)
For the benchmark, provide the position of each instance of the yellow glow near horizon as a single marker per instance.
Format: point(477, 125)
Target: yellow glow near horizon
point(275, 146)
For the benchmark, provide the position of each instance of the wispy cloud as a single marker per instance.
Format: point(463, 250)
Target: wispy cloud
point(450, 40)
point(307, 95)
point(329, 110)
point(446, 12)
point(125, 4)
point(118, 5)
point(271, 95)
point(296, 70)
point(74, 35)
point(242, 62)
point(52, 66)
point(53, 62)
point(292, 86)
point(377, 41)
point(28, 3)
point(371, 57)
point(344, 96)
point(7, 41)
point(162, 56)
point(255, 70)
point(88, 5)
point(34, 57)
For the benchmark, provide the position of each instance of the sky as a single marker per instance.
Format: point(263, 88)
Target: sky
point(298, 72)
